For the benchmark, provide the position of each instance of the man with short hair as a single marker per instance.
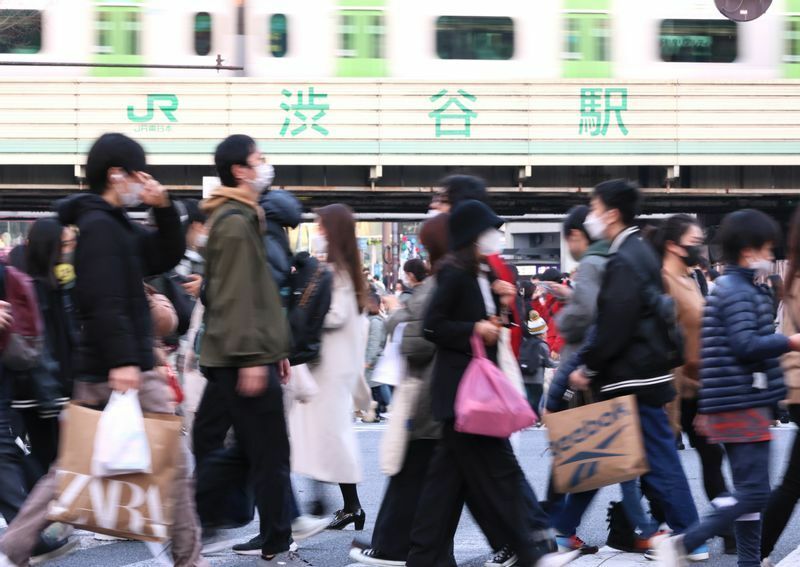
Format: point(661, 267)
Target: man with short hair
point(115, 352)
point(631, 351)
point(244, 350)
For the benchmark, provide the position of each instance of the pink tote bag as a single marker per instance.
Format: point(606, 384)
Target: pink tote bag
point(487, 402)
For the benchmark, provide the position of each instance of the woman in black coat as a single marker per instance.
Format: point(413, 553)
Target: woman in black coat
point(481, 469)
point(40, 393)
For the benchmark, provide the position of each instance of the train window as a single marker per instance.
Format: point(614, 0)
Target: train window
point(130, 33)
point(698, 41)
point(22, 31)
point(348, 28)
point(202, 33)
point(600, 33)
point(278, 35)
point(572, 39)
point(792, 39)
point(468, 37)
point(105, 27)
point(375, 31)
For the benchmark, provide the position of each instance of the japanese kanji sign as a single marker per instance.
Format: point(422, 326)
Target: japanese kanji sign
point(597, 104)
point(300, 111)
point(453, 117)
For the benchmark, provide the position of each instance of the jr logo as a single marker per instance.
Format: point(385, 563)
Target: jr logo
point(167, 103)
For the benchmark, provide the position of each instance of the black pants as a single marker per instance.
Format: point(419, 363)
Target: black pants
point(392, 533)
point(485, 471)
point(42, 434)
point(784, 499)
point(711, 455)
point(260, 457)
point(12, 482)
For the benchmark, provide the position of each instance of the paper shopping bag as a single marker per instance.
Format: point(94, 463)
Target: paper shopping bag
point(136, 506)
point(596, 445)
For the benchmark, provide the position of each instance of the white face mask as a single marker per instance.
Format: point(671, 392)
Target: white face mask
point(265, 173)
point(320, 244)
point(762, 267)
point(490, 242)
point(595, 226)
point(133, 196)
point(200, 241)
point(433, 212)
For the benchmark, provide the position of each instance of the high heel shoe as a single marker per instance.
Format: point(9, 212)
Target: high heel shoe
point(342, 519)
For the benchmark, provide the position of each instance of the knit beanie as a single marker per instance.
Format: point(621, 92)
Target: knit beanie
point(536, 325)
point(468, 220)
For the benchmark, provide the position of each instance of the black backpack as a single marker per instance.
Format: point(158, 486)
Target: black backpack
point(310, 299)
point(530, 356)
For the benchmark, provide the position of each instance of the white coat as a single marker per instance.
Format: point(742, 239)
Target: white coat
point(323, 440)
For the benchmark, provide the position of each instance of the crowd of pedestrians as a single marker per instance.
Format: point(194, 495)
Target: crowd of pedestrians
point(269, 356)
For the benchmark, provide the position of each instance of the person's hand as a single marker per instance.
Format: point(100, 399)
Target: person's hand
point(488, 331)
point(193, 286)
point(578, 381)
point(503, 288)
point(252, 381)
point(391, 303)
point(153, 193)
point(284, 371)
point(561, 291)
point(6, 318)
point(124, 378)
point(794, 342)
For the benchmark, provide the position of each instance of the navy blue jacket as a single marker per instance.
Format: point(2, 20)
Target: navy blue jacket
point(739, 341)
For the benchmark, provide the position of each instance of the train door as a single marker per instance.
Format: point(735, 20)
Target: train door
point(586, 51)
point(361, 37)
point(117, 37)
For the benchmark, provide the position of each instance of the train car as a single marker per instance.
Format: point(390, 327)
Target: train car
point(403, 39)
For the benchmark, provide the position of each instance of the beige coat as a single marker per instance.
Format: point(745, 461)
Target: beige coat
point(324, 444)
point(790, 324)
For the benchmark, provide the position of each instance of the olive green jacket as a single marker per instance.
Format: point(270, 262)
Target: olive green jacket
point(245, 324)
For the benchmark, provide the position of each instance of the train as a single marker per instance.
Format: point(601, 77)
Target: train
point(400, 39)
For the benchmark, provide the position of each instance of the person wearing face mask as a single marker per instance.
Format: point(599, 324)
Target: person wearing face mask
point(741, 384)
point(244, 351)
point(467, 301)
point(115, 348)
point(679, 242)
point(631, 350)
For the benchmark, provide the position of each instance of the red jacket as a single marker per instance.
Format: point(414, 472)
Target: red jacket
point(503, 272)
point(547, 311)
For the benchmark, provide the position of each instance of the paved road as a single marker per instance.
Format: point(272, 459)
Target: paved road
point(330, 549)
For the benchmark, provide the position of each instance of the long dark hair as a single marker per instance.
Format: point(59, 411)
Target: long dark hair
point(43, 252)
point(340, 228)
point(671, 230)
point(793, 250)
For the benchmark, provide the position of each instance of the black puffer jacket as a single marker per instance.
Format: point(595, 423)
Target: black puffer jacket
point(113, 255)
point(739, 340)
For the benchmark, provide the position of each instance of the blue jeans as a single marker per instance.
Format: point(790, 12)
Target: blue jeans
point(750, 467)
point(567, 515)
point(666, 482)
point(632, 503)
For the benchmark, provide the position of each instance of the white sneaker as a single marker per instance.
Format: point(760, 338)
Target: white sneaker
point(305, 527)
point(557, 559)
point(670, 551)
point(766, 562)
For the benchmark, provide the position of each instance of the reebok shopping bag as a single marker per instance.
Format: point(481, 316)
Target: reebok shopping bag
point(596, 445)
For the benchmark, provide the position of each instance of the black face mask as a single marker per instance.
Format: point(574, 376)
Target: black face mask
point(693, 255)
